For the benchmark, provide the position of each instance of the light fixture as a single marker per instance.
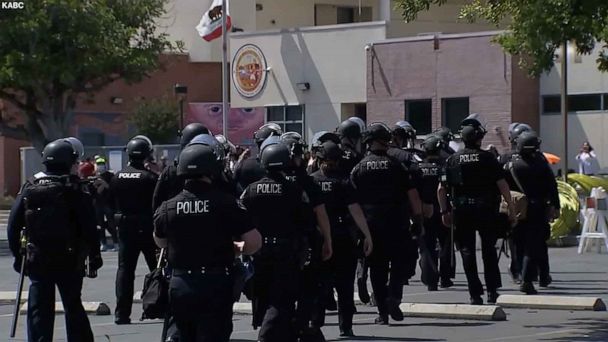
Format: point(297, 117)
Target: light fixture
point(303, 86)
point(180, 89)
point(116, 100)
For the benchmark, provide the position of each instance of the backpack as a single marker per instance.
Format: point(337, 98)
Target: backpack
point(155, 294)
point(50, 223)
point(519, 199)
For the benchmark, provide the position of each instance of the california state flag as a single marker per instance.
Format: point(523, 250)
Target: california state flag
point(210, 26)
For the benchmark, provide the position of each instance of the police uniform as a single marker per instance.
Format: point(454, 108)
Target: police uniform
point(538, 184)
point(277, 208)
point(100, 190)
point(435, 264)
point(132, 189)
point(340, 270)
point(60, 228)
point(381, 184)
point(475, 202)
point(200, 224)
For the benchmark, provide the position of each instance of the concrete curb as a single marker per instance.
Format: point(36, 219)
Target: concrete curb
point(551, 302)
point(454, 311)
point(95, 308)
point(9, 297)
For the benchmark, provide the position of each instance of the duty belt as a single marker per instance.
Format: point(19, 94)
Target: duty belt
point(472, 201)
point(269, 240)
point(202, 270)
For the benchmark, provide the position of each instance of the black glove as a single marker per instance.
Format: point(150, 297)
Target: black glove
point(417, 226)
point(17, 264)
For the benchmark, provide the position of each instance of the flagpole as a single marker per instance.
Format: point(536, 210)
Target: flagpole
point(224, 70)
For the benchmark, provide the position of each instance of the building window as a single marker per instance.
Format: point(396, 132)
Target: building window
point(419, 113)
point(576, 103)
point(290, 118)
point(454, 110)
point(332, 15)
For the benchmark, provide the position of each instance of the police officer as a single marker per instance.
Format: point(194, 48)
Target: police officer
point(198, 227)
point(169, 184)
point(446, 135)
point(476, 181)
point(278, 208)
point(403, 149)
point(249, 170)
point(515, 239)
point(532, 176)
point(345, 216)
point(132, 189)
point(310, 313)
point(383, 187)
point(100, 190)
point(58, 221)
point(351, 132)
point(434, 233)
point(318, 139)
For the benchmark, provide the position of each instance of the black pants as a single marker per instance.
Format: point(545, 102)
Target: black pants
point(411, 257)
point(535, 259)
point(435, 263)
point(310, 308)
point(516, 246)
point(467, 224)
point(105, 221)
point(202, 306)
point(275, 289)
point(339, 272)
point(41, 307)
point(387, 263)
point(131, 242)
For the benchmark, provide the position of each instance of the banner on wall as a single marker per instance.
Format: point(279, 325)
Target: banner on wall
point(242, 122)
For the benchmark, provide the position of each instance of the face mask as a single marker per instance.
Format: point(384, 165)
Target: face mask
point(101, 168)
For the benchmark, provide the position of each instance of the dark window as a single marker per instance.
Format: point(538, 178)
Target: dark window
point(454, 111)
point(290, 118)
point(419, 113)
point(346, 15)
point(275, 114)
point(578, 103)
point(551, 104)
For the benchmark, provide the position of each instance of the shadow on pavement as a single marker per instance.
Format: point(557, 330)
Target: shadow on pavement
point(380, 339)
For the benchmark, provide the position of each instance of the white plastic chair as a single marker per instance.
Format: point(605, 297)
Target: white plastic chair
point(595, 226)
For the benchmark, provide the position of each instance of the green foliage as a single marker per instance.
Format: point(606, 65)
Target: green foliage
point(54, 51)
point(536, 28)
point(157, 119)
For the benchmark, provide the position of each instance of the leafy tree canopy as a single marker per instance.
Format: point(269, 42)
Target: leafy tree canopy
point(157, 119)
point(536, 28)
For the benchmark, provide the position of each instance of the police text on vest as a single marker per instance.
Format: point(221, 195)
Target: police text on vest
point(193, 207)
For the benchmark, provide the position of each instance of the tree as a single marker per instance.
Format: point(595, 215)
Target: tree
point(157, 119)
point(55, 51)
point(535, 28)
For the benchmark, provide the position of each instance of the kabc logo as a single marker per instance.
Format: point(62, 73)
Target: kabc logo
point(12, 5)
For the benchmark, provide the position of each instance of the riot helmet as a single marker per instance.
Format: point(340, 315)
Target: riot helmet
point(275, 157)
point(433, 144)
point(516, 129)
point(295, 142)
point(209, 140)
point(471, 130)
point(321, 137)
point(197, 160)
point(59, 155)
point(266, 131)
point(528, 143)
point(190, 131)
point(77, 146)
point(351, 128)
point(271, 140)
point(377, 131)
point(228, 146)
point(405, 133)
point(139, 148)
point(445, 134)
point(329, 150)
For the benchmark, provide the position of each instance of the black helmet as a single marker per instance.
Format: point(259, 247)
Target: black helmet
point(197, 160)
point(377, 131)
point(77, 146)
point(295, 142)
point(323, 136)
point(351, 128)
point(228, 146)
point(275, 157)
point(528, 143)
point(139, 148)
point(516, 129)
point(209, 140)
point(59, 153)
point(190, 131)
point(445, 134)
point(433, 144)
point(271, 140)
point(329, 150)
point(471, 130)
point(266, 131)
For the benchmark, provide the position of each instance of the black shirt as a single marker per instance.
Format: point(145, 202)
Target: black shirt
point(132, 189)
point(337, 194)
point(479, 172)
point(200, 224)
point(350, 159)
point(536, 177)
point(167, 186)
point(277, 206)
point(431, 169)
